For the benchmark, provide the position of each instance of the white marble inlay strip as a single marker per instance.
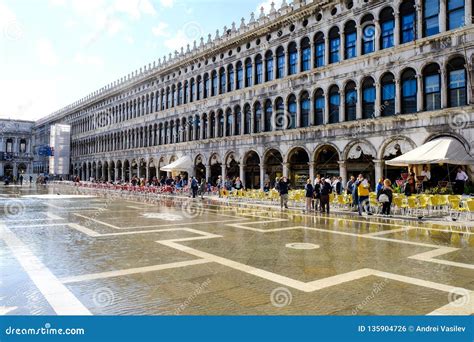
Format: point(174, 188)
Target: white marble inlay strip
point(119, 273)
point(430, 257)
point(58, 296)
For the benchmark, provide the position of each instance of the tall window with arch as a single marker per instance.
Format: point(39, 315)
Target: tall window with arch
point(305, 108)
point(198, 88)
point(292, 58)
point(223, 81)
point(280, 63)
point(220, 124)
point(388, 95)
point(180, 94)
point(350, 101)
point(350, 33)
point(212, 122)
point(205, 125)
point(269, 66)
point(334, 45)
point(368, 98)
point(430, 17)
point(319, 104)
point(240, 76)
point(280, 115)
point(229, 123)
point(432, 87)
point(387, 26)
point(206, 86)
point(230, 71)
point(192, 94)
point(257, 124)
point(268, 116)
point(214, 90)
point(407, 21)
point(238, 120)
point(247, 118)
point(292, 108)
point(457, 82)
point(334, 104)
point(319, 50)
point(198, 125)
point(305, 54)
point(456, 14)
point(409, 92)
point(248, 72)
point(185, 92)
point(258, 69)
point(368, 34)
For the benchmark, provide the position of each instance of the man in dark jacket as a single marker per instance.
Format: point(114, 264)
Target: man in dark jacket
point(283, 188)
point(326, 190)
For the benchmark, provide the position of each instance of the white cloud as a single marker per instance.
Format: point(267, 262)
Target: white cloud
point(177, 41)
point(134, 8)
point(267, 5)
point(88, 60)
point(167, 3)
point(160, 30)
point(46, 53)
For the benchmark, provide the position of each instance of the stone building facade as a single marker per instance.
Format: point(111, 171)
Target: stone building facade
point(331, 87)
point(16, 154)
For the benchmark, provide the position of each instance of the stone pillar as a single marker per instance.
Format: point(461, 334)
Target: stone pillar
point(359, 40)
point(311, 171)
point(286, 169)
point(208, 172)
point(275, 65)
point(88, 176)
point(242, 173)
point(419, 21)
point(360, 102)
point(342, 105)
point(396, 29)
point(326, 109)
point(378, 30)
point(378, 165)
point(242, 120)
point(274, 116)
point(398, 96)
point(109, 174)
point(298, 113)
point(468, 12)
point(342, 50)
point(343, 171)
point(262, 175)
point(444, 88)
point(419, 93)
point(147, 172)
point(378, 100)
point(116, 175)
point(442, 15)
point(313, 54)
point(123, 173)
point(327, 52)
point(252, 120)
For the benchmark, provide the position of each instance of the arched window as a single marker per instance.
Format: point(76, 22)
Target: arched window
point(456, 14)
point(192, 96)
point(223, 80)
point(230, 71)
point(220, 124)
point(205, 123)
point(334, 45)
point(268, 116)
point(305, 108)
point(173, 96)
point(319, 107)
point(350, 33)
point(229, 123)
point(319, 50)
point(212, 122)
point(257, 125)
point(334, 103)
point(280, 113)
point(407, 21)
point(168, 98)
point(238, 120)
point(368, 98)
point(387, 25)
point(161, 134)
point(292, 112)
point(368, 34)
point(430, 17)
point(292, 58)
point(457, 83)
point(350, 95)
point(388, 95)
point(268, 66)
point(409, 90)
point(240, 76)
point(198, 88)
point(280, 63)
point(305, 54)
point(180, 94)
point(247, 119)
point(248, 72)
point(432, 87)
point(214, 90)
point(185, 92)
point(197, 123)
point(258, 69)
point(206, 86)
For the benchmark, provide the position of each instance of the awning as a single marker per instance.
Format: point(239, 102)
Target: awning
point(438, 151)
point(182, 164)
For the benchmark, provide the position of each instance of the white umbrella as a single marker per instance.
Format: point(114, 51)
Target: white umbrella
point(182, 164)
point(439, 151)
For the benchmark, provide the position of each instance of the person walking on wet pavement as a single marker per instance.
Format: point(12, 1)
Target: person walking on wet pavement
point(326, 190)
point(385, 196)
point(194, 187)
point(283, 188)
point(21, 180)
point(309, 193)
point(363, 191)
point(202, 188)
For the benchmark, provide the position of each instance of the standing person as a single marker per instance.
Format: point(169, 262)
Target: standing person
point(238, 184)
point(219, 186)
point(317, 193)
point(410, 187)
point(309, 193)
point(194, 186)
point(203, 187)
point(426, 177)
point(380, 185)
point(363, 191)
point(461, 179)
point(21, 180)
point(385, 196)
point(283, 188)
point(326, 190)
point(31, 179)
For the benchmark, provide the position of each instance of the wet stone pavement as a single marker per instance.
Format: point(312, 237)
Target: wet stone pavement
point(64, 252)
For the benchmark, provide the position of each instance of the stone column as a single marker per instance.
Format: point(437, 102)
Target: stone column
point(378, 30)
point(326, 109)
point(342, 50)
point(360, 102)
point(313, 54)
point(468, 12)
point(419, 93)
point(252, 120)
point(343, 171)
point(378, 165)
point(342, 106)
point(327, 52)
point(123, 173)
point(298, 113)
point(275, 65)
point(208, 172)
point(274, 116)
point(242, 120)
point(109, 173)
point(262, 175)
point(398, 96)
point(116, 174)
point(311, 171)
point(242, 173)
point(359, 40)
point(378, 100)
point(396, 29)
point(442, 15)
point(286, 169)
point(419, 21)
point(444, 88)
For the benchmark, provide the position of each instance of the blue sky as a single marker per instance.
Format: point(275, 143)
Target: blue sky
point(54, 52)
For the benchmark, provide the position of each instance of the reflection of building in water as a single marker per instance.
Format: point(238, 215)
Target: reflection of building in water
point(328, 87)
point(16, 142)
